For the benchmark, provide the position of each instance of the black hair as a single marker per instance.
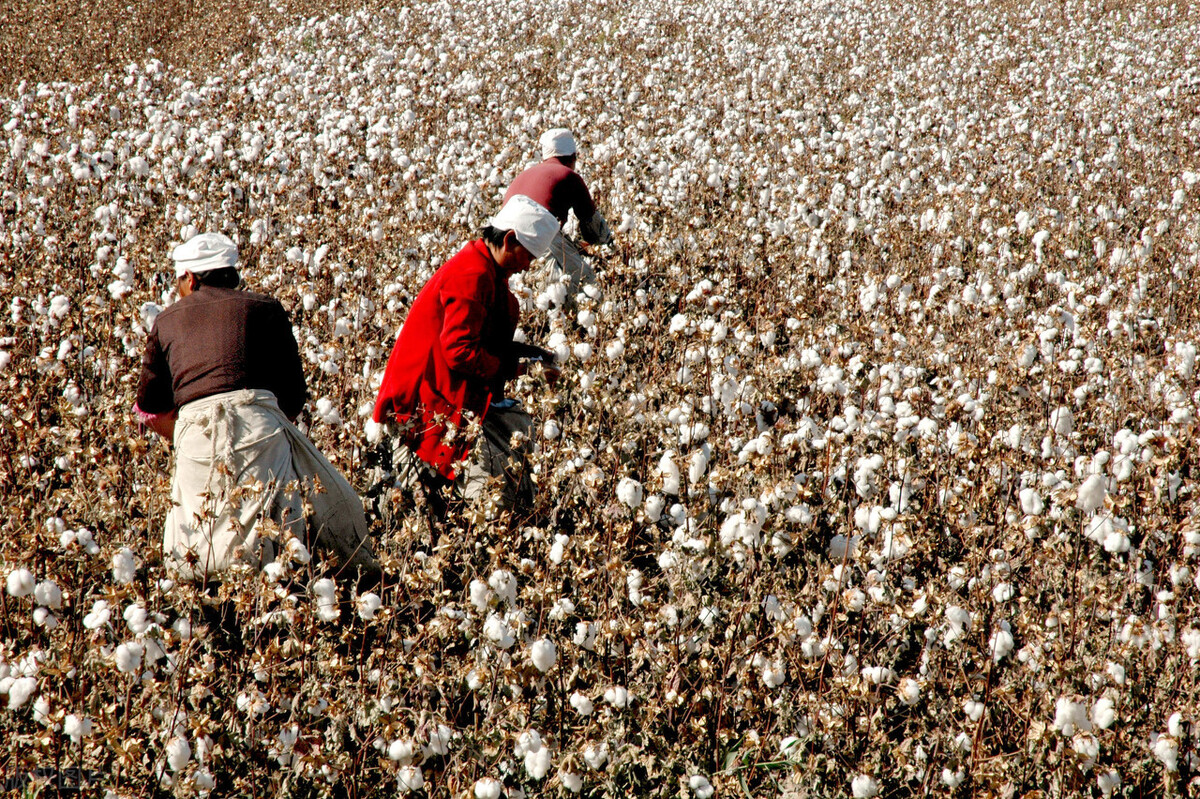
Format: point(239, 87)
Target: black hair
point(226, 277)
point(493, 236)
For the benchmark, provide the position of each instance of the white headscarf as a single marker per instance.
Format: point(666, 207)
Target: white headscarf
point(557, 141)
point(534, 225)
point(204, 253)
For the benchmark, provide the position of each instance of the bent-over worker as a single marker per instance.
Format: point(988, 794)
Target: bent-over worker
point(222, 379)
point(451, 360)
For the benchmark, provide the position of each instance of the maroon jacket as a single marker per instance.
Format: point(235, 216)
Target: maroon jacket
point(450, 354)
point(557, 188)
point(216, 340)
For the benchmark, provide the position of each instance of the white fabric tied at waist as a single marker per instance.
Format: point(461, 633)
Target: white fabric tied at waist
point(238, 459)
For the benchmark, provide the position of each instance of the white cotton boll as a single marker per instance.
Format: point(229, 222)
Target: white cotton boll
point(629, 492)
point(654, 506)
point(583, 706)
point(669, 472)
point(864, 787)
point(701, 787)
point(409, 779)
point(614, 350)
point(698, 465)
point(368, 605)
point(496, 630)
point(20, 582)
point(1003, 592)
point(1104, 713)
point(1176, 726)
point(98, 616)
point(136, 618)
point(527, 742)
point(1062, 421)
point(488, 788)
point(878, 675)
point(633, 584)
point(543, 654)
point(274, 571)
point(572, 782)
point(1031, 502)
point(41, 712)
point(1070, 717)
point(617, 696)
point(595, 755)
point(841, 547)
point(1108, 782)
point(20, 690)
point(327, 413)
point(297, 552)
point(1001, 645)
point(537, 763)
point(1191, 642)
point(557, 549)
point(439, 741)
point(1091, 494)
point(129, 657)
point(48, 594)
point(952, 779)
point(124, 566)
point(1116, 542)
point(401, 751)
point(854, 600)
point(1166, 749)
point(504, 585)
point(774, 675)
point(480, 594)
point(789, 747)
point(179, 753)
point(585, 635)
point(908, 691)
point(551, 430)
point(77, 728)
point(959, 621)
point(325, 591)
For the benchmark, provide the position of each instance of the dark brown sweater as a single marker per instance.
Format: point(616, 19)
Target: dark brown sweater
point(216, 340)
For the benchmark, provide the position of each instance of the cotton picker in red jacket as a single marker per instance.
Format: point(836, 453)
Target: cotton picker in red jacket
point(454, 353)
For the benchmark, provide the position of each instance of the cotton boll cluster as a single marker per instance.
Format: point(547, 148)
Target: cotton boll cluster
point(536, 754)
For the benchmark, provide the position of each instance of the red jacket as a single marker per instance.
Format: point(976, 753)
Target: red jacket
point(449, 355)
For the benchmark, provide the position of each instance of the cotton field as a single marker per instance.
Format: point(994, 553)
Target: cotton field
point(872, 469)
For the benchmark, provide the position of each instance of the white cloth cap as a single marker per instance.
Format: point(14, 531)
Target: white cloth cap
point(204, 253)
point(557, 141)
point(534, 225)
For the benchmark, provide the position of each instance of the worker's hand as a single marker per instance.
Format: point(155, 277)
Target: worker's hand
point(552, 374)
point(162, 423)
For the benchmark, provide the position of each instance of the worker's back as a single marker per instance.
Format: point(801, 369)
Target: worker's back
point(557, 188)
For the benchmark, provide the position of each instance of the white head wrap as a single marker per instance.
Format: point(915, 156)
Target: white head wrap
point(534, 225)
point(204, 253)
point(557, 141)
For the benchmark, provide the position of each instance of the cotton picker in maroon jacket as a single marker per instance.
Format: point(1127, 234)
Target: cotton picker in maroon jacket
point(455, 349)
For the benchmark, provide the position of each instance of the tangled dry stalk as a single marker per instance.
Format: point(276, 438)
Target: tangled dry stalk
point(872, 472)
